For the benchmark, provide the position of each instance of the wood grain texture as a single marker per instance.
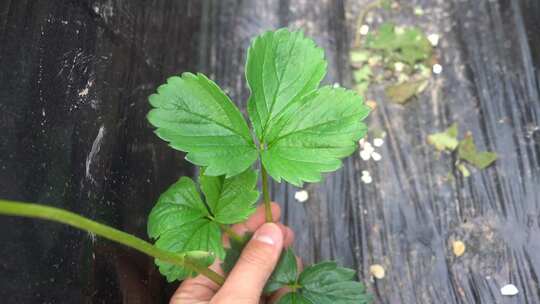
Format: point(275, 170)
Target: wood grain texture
point(407, 219)
point(74, 78)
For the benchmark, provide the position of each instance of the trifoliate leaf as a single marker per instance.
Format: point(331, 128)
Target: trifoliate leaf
point(231, 200)
point(303, 131)
point(467, 152)
point(179, 221)
point(323, 283)
point(285, 273)
point(403, 92)
point(409, 45)
point(313, 134)
point(326, 283)
point(195, 116)
point(446, 140)
point(282, 66)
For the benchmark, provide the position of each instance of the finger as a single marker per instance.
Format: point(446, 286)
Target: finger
point(253, 222)
point(257, 219)
point(197, 289)
point(288, 235)
point(257, 261)
point(274, 298)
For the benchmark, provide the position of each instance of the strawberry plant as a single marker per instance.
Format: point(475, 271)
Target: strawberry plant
point(298, 132)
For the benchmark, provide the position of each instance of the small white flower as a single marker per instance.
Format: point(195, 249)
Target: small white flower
point(368, 147)
point(437, 68)
point(398, 66)
point(367, 151)
point(377, 271)
point(433, 39)
point(365, 172)
point(365, 155)
point(301, 196)
point(336, 85)
point(377, 142)
point(509, 290)
point(366, 179)
point(364, 29)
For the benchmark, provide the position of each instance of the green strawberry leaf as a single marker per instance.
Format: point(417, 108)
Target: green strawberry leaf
point(304, 131)
point(180, 223)
point(195, 116)
point(294, 298)
point(312, 135)
point(281, 66)
point(467, 152)
point(327, 283)
point(285, 273)
point(409, 45)
point(231, 200)
point(446, 140)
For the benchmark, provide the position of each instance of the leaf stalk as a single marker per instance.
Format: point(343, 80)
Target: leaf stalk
point(266, 196)
point(13, 208)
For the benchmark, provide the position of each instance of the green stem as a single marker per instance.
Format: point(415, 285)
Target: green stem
point(69, 218)
point(229, 232)
point(266, 196)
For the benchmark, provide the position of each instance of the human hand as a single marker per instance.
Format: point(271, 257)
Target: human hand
point(246, 281)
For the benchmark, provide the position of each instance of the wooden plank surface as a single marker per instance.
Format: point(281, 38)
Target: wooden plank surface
point(74, 78)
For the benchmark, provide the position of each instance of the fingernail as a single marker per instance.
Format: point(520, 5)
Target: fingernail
point(268, 233)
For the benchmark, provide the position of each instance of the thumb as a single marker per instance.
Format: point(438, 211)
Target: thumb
point(257, 261)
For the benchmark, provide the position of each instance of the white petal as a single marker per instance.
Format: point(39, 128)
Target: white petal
point(437, 68)
point(509, 290)
point(368, 147)
point(433, 39)
point(301, 196)
point(365, 155)
point(367, 179)
point(365, 172)
point(377, 271)
point(377, 142)
point(364, 29)
point(376, 156)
